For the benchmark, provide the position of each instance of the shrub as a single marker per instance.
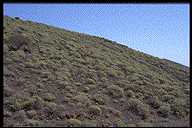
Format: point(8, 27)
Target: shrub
point(33, 123)
point(21, 42)
point(161, 92)
point(129, 93)
point(68, 88)
point(139, 95)
point(38, 102)
point(91, 86)
point(20, 116)
point(187, 91)
point(114, 73)
point(164, 110)
point(179, 109)
point(7, 91)
point(144, 124)
point(50, 107)
point(5, 48)
point(113, 111)
point(31, 114)
point(85, 89)
point(138, 107)
point(24, 103)
point(101, 67)
point(82, 99)
point(94, 110)
point(153, 101)
point(115, 91)
point(98, 99)
point(73, 123)
point(131, 125)
point(134, 77)
point(120, 123)
point(7, 113)
point(90, 81)
point(168, 98)
point(89, 123)
point(49, 97)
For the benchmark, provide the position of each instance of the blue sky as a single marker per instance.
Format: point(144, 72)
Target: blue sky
point(161, 30)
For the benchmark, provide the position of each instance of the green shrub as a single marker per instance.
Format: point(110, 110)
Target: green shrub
point(49, 97)
point(94, 110)
point(187, 91)
point(120, 123)
point(91, 86)
point(51, 107)
point(131, 125)
point(139, 95)
point(73, 123)
point(90, 81)
point(164, 110)
point(139, 108)
point(168, 98)
point(32, 114)
point(20, 116)
point(179, 108)
point(98, 99)
point(114, 73)
point(133, 77)
point(33, 123)
point(89, 123)
point(113, 111)
point(153, 101)
point(85, 89)
point(82, 99)
point(161, 92)
point(7, 91)
point(24, 103)
point(7, 113)
point(19, 42)
point(129, 93)
point(38, 102)
point(115, 91)
point(100, 66)
point(144, 124)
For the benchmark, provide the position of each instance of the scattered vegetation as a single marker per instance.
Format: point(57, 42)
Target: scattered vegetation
point(55, 77)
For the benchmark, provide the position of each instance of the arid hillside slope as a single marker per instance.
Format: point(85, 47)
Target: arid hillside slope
point(55, 77)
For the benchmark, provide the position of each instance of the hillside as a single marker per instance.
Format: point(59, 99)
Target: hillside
point(56, 77)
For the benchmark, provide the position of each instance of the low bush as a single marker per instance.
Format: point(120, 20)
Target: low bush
point(144, 124)
point(89, 123)
point(90, 81)
point(164, 110)
point(98, 99)
point(115, 91)
point(129, 93)
point(32, 114)
point(94, 110)
point(153, 101)
point(73, 123)
point(139, 108)
point(49, 97)
point(168, 98)
point(82, 99)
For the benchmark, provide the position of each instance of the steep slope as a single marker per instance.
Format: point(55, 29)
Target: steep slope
point(55, 77)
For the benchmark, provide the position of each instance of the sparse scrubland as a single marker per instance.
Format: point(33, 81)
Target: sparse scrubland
point(55, 77)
